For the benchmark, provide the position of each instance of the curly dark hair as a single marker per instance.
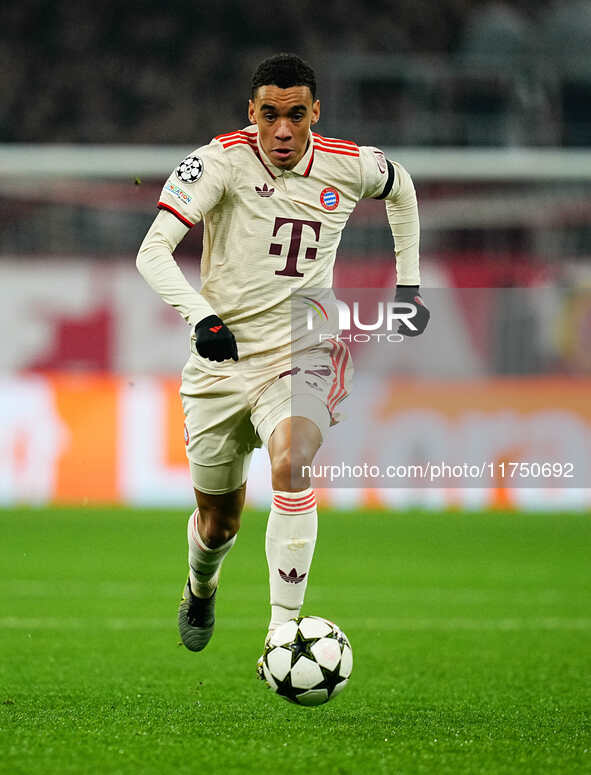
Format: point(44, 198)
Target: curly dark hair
point(283, 70)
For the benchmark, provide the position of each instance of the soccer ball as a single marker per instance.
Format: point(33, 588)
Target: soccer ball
point(308, 660)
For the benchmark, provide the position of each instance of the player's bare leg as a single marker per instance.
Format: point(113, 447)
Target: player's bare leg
point(211, 533)
point(292, 446)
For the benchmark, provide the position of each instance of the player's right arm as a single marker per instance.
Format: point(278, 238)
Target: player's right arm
point(156, 264)
point(191, 191)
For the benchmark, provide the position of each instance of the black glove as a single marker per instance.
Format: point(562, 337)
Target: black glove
point(410, 294)
point(214, 340)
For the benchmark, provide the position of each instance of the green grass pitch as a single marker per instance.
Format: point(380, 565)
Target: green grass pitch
point(471, 636)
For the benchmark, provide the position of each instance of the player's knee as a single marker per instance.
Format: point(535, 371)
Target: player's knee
point(219, 517)
point(216, 527)
point(292, 448)
point(289, 468)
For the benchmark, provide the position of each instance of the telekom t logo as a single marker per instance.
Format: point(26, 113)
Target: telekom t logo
point(297, 226)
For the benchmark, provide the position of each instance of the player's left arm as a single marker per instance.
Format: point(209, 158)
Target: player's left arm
point(388, 180)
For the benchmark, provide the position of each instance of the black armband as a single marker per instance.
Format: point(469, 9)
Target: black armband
point(389, 182)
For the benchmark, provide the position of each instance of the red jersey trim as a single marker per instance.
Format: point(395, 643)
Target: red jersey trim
point(236, 141)
point(334, 141)
point(182, 219)
point(337, 146)
point(231, 138)
point(240, 137)
point(227, 135)
point(259, 157)
point(310, 163)
point(338, 152)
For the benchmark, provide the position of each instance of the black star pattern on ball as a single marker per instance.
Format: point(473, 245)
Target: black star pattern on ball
point(331, 678)
point(190, 169)
point(300, 646)
point(285, 689)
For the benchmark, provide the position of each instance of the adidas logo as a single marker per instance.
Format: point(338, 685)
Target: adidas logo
point(265, 190)
point(323, 371)
point(292, 577)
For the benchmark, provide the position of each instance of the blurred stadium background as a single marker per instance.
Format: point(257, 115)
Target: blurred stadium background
point(487, 104)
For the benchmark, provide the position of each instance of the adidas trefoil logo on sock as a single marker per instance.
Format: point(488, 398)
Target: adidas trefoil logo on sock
point(292, 577)
point(265, 190)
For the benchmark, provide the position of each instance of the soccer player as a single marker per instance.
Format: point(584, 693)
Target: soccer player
point(274, 198)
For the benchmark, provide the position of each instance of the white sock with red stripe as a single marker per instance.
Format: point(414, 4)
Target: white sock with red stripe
point(290, 541)
point(204, 563)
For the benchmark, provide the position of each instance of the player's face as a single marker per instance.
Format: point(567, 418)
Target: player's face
point(284, 117)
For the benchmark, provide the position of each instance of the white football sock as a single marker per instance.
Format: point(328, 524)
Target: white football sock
point(204, 563)
point(290, 540)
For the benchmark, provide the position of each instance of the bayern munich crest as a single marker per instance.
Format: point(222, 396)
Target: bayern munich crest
point(329, 198)
point(190, 169)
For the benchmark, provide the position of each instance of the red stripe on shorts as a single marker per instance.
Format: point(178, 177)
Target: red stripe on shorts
point(342, 392)
point(336, 354)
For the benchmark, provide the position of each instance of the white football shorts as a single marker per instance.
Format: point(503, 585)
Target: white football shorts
point(228, 416)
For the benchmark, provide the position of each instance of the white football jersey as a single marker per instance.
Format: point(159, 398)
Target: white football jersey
point(269, 231)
